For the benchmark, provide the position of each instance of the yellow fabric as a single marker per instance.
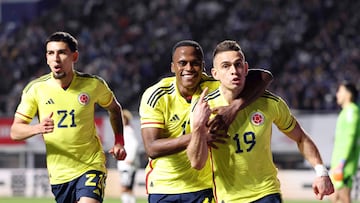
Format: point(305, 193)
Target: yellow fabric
point(243, 168)
point(74, 147)
point(163, 107)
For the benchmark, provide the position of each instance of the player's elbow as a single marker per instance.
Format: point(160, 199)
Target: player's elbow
point(152, 156)
point(15, 133)
point(15, 136)
point(197, 162)
point(152, 153)
point(197, 165)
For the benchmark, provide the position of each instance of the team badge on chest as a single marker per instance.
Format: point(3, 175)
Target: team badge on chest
point(84, 99)
point(257, 118)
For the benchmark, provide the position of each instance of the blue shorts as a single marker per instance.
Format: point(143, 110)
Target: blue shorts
point(191, 197)
point(90, 184)
point(273, 198)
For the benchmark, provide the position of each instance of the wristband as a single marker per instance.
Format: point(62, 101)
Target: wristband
point(119, 139)
point(321, 170)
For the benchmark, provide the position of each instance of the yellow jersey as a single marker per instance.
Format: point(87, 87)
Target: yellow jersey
point(163, 107)
point(243, 169)
point(74, 146)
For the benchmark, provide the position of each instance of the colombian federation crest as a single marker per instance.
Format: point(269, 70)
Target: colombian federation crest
point(257, 118)
point(83, 98)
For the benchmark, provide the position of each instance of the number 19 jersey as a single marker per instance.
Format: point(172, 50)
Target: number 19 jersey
point(243, 168)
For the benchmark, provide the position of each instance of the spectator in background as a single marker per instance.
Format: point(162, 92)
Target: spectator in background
point(298, 51)
point(345, 155)
point(130, 164)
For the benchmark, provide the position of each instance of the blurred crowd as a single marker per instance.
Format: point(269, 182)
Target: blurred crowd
point(309, 46)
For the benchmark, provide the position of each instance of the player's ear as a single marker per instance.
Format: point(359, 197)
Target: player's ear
point(75, 56)
point(246, 66)
point(172, 67)
point(214, 73)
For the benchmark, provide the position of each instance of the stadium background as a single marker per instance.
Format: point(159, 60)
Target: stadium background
point(310, 46)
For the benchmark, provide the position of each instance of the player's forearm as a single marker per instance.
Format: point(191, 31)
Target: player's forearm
point(116, 121)
point(310, 152)
point(22, 131)
point(305, 144)
point(197, 150)
point(160, 147)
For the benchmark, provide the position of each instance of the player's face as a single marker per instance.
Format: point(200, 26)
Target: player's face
point(231, 69)
point(341, 95)
point(60, 59)
point(187, 66)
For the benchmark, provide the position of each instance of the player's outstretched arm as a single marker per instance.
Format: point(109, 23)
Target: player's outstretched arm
point(256, 83)
point(116, 120)
point(322, 184)
point(21, 130)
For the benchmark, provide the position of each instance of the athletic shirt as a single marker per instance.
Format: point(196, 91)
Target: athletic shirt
point(163, 107)
point(243, 169)
point(347, 140)
point(132, 150)
point(74, 146)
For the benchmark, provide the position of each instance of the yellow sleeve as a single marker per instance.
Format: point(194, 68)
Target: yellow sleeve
point(285, 121)
point(105, 95)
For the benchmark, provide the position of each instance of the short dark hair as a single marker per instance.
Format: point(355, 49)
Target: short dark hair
point(352, 89)
point(192, 43)
point(227, 45)
point(63, 37)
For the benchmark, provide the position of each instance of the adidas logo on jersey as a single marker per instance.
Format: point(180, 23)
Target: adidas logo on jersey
point(50, 101)
point(174, 118)
point(96, 191)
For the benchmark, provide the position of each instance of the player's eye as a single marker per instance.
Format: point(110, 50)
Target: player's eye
point(195, 63)
point(182, 63)
point(238, 65)
point(226, 66)
point(192, 63)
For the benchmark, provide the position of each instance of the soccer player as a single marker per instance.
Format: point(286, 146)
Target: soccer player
point(64, 101)
point(345, 155)
point(243, 169)
point(127, 168)
point(165, 115)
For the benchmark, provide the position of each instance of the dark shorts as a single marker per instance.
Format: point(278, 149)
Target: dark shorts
point(273, 198)
point(90, 184)
point(191, 197)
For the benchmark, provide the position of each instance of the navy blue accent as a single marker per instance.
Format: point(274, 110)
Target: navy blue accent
point(273, 198)
point(72, 191)
point(191, 197)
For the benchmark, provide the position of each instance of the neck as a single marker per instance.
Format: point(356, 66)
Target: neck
point(65, 81)
point(345, 104)
point(187, 93)
point(228, 94)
